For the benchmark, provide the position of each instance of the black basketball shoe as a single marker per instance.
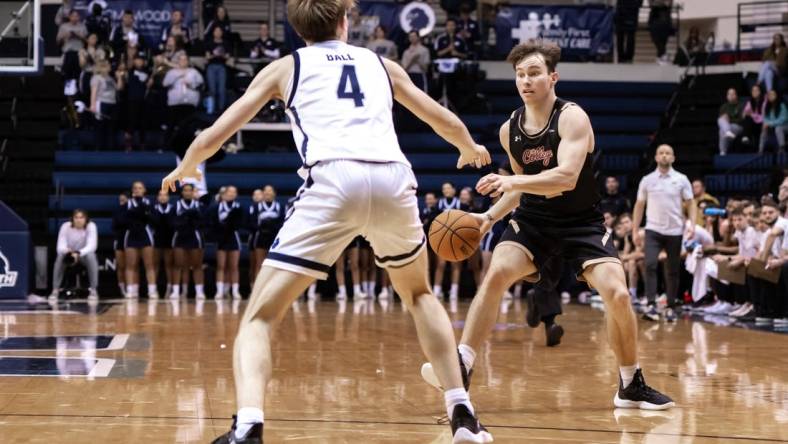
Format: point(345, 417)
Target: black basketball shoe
point(466, 429)
point(554, 332)
point(429, 376)
point(638, 395)
point(253, 436)
point(532, 311)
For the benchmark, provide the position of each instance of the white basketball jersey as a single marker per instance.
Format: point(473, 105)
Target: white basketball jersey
point(339, 103)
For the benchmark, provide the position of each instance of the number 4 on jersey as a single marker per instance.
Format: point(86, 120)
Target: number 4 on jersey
point(349, 76)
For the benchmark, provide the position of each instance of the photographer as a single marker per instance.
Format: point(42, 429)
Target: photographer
point(76, 242)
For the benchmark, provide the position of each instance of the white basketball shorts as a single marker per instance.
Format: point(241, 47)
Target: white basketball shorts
point(342, 199)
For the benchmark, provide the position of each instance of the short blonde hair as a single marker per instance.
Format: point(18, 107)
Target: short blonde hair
point(317, 20)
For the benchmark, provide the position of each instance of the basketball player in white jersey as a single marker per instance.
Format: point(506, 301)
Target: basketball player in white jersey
point(357, 182)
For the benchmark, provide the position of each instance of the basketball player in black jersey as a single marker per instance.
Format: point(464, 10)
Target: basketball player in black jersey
point(550, 144)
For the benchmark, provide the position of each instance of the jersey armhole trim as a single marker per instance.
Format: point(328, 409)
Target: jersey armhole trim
point(296, 75)
point(391, 85)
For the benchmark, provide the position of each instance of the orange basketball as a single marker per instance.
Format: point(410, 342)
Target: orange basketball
point(454, 235)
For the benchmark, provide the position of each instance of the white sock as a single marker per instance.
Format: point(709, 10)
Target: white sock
point(198, 288)
point(455, 397)
point(633, 292)
point(436, 289)
point(176, 290)
point(235, 289)
point(356, 289)
point(628, 373)
point(246, 419)
point(122, 289)
point(455, 289)
point(468, 356)
point(131, 290)
point(369, 287)
point(343, 290)
point(152, 289)
point(219, 289)
point(169, 288)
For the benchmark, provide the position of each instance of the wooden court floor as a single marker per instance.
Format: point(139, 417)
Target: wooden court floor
point(161, 372)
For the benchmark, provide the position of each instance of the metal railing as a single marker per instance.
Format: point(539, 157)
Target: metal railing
point(757, 22)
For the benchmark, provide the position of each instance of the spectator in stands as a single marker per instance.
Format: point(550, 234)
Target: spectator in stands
point(217, 56)
point(88, 57)
point(416, 60)
point(664, 193)
point(660, 25)
point(187, 244)
point(173, 50)
point(183, 91)
point(136, 81)
point(775, 59)
point(382, 46)
point(61, 16)
point(730, 120)
point(161, 222)
point(775, 119)
point(76, 243)
point(265, 47)
point(220, 20)
point(71, 38)
point(357, 33)
point(176, 28)
point(613, 201)
point(226, 218)
point(103, 104)
point(449, 44)
point(468, 30)
point(702, 200)
point(694, 47)
point(626, 21)
point(632, 257)
point(119, 227)
point(138, 242)
point(99, 23)
point(125, 33)
point(753, 113)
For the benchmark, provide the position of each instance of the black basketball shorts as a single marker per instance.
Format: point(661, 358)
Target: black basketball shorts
point(579, 246)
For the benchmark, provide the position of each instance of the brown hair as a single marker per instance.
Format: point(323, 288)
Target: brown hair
point(550, 52)
point(317, 20)
point(83, 213)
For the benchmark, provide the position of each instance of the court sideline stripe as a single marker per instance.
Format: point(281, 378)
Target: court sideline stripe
point(346, 421)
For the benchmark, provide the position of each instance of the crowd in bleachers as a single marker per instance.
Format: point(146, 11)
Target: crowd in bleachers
point(116, 74)
point(754, 121)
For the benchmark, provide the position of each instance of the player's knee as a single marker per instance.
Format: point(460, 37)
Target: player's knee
point(619, 299)
point(500, 276)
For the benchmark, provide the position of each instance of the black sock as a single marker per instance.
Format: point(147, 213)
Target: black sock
point(548, 321)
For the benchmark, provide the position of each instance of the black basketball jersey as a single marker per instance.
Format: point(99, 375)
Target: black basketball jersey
point(539, 152)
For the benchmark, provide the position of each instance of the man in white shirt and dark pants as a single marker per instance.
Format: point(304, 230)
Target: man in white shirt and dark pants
point(664, 193)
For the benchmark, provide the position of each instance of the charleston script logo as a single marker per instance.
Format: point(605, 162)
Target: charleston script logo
point(537, 155)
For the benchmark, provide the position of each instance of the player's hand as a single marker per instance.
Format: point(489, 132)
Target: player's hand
point(177, 175)
point(478, 157)
point(774, 263)
point(494, 185)
point(485, 224)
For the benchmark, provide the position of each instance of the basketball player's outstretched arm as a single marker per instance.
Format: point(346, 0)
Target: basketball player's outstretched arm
point(440, 119)
point(577, 135)
point(269, 83)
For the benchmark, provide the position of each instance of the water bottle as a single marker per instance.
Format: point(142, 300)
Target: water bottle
point(715, 212)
